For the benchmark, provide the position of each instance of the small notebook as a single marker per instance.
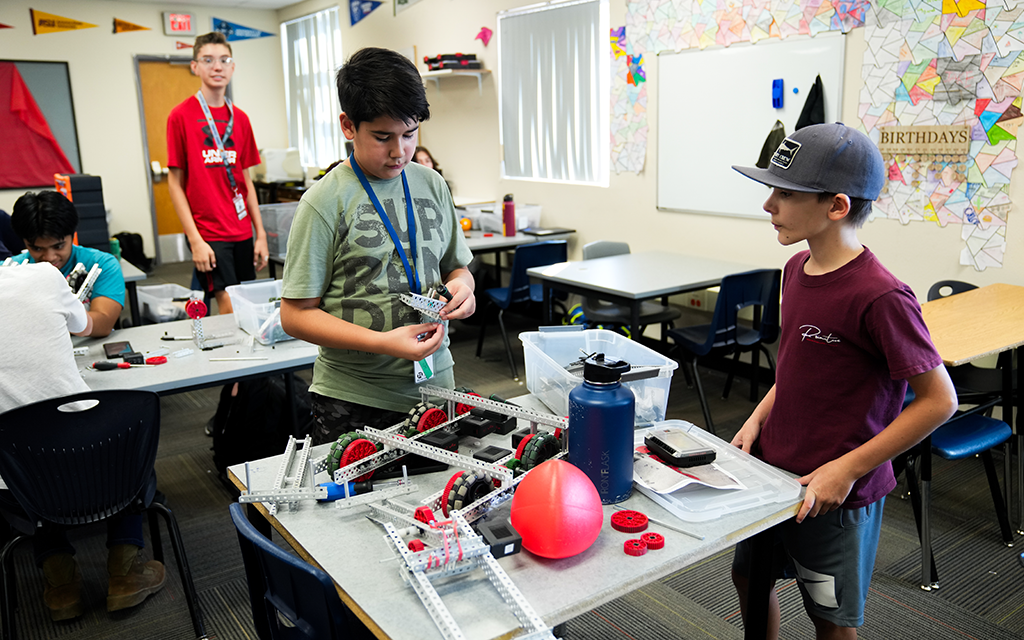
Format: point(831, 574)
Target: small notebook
point(552, 231)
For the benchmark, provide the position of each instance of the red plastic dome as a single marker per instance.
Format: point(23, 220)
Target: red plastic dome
point(557, 510)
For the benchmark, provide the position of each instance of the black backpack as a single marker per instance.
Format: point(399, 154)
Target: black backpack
point(131, 250)
point(256, 422)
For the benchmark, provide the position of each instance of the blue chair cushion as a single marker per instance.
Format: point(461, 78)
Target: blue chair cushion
point(694, 338)
point(968, 436)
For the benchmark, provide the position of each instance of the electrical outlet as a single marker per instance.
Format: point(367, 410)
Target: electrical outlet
point(694, 299)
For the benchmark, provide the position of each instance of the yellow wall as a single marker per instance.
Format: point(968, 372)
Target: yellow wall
point(462, 132)
point(105, 89)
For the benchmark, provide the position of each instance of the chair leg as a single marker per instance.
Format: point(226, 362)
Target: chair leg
point(8, 592)
point(703, 401)
point(188, 585)
point(732, 374)
point(997, 497)
point(755, 370)
point(508, 348)
point(483, 329)
point(929, 574)
point(156, 542)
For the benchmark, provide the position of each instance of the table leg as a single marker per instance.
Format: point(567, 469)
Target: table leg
point(272, 269)
point(755, 626)
point(634, 319)
point(133, 304)
point(547, 305)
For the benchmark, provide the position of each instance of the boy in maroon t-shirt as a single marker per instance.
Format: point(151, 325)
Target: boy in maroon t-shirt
point(210, 146)
point(852, 339)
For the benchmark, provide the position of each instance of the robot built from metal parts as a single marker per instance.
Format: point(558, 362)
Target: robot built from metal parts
point(455, 547)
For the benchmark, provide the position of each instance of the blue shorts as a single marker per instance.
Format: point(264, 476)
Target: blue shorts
point(832, 557)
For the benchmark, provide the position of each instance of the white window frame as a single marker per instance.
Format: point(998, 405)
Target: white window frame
point(311, 56)
point(548, 133)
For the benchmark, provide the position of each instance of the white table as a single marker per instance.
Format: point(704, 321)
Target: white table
point(631, 278)
point(194, 371)
point(352, 549)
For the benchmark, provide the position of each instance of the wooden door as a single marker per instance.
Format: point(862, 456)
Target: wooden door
point(164, 85)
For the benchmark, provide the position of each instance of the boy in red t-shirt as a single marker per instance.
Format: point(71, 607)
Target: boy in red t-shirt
point(210, 146)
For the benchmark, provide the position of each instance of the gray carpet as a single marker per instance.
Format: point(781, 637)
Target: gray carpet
point(982, 594)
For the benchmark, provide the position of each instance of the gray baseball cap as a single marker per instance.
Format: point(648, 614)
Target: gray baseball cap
point(824, 158)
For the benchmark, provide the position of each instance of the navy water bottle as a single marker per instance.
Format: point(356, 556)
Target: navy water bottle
point(601, 428)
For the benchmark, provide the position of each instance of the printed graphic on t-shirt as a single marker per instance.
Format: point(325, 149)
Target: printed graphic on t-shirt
point(370, 281)
point(211, 154)
point(814, 334)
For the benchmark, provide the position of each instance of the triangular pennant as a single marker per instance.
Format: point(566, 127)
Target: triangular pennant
point(234, 32)
point(178, 44)
point(50, 23)
point(359, 9)
point(5, 26)
point(121, 26)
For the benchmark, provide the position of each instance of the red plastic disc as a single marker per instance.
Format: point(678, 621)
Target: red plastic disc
point(358, 450)
point(653, 540)
point(156, 360)
point(461, 407)
point(629, 521)
point(522, 445)
point(447, 490)
point(431, 418)
point(195, 309)
point(635, 547)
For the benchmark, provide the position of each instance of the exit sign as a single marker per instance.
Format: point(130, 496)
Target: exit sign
point(177, 23)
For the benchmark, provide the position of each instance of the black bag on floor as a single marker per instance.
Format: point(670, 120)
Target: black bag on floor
point(256, 422)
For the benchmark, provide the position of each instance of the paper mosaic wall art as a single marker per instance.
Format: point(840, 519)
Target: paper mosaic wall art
point(942, 63)
point(930, 64)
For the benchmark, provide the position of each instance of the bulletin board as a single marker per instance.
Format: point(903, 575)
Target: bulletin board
point(50, 86)
point(715, 110)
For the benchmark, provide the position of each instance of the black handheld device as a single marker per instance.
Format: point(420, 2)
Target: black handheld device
point(678, 448)
point(115, 349)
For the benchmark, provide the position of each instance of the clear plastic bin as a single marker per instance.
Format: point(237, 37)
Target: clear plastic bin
point(277, 221)
point(257, 309)
point(764, 484)
point(549, 352)
point(164, 302)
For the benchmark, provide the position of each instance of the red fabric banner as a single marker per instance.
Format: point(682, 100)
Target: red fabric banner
point(32, 154)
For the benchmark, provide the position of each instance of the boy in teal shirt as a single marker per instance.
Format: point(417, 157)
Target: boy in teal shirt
point(47, 222)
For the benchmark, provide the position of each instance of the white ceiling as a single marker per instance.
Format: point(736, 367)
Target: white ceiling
point(241, 4)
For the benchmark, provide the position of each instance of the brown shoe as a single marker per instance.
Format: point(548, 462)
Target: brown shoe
point(63, 593)
point(131, 580)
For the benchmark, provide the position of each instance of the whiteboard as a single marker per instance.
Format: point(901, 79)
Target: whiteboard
point(715, 110)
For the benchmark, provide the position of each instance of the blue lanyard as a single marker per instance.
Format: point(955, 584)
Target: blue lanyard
point(410, 269)
point(216, 134)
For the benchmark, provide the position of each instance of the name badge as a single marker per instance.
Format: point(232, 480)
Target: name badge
point(240, 205)
point(424, 369)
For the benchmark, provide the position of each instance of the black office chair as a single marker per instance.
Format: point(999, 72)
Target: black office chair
point(601, 312)
point(80, 459)
point(759, 289)
point(963, 436)
point(519, 290)
point(290, 599)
